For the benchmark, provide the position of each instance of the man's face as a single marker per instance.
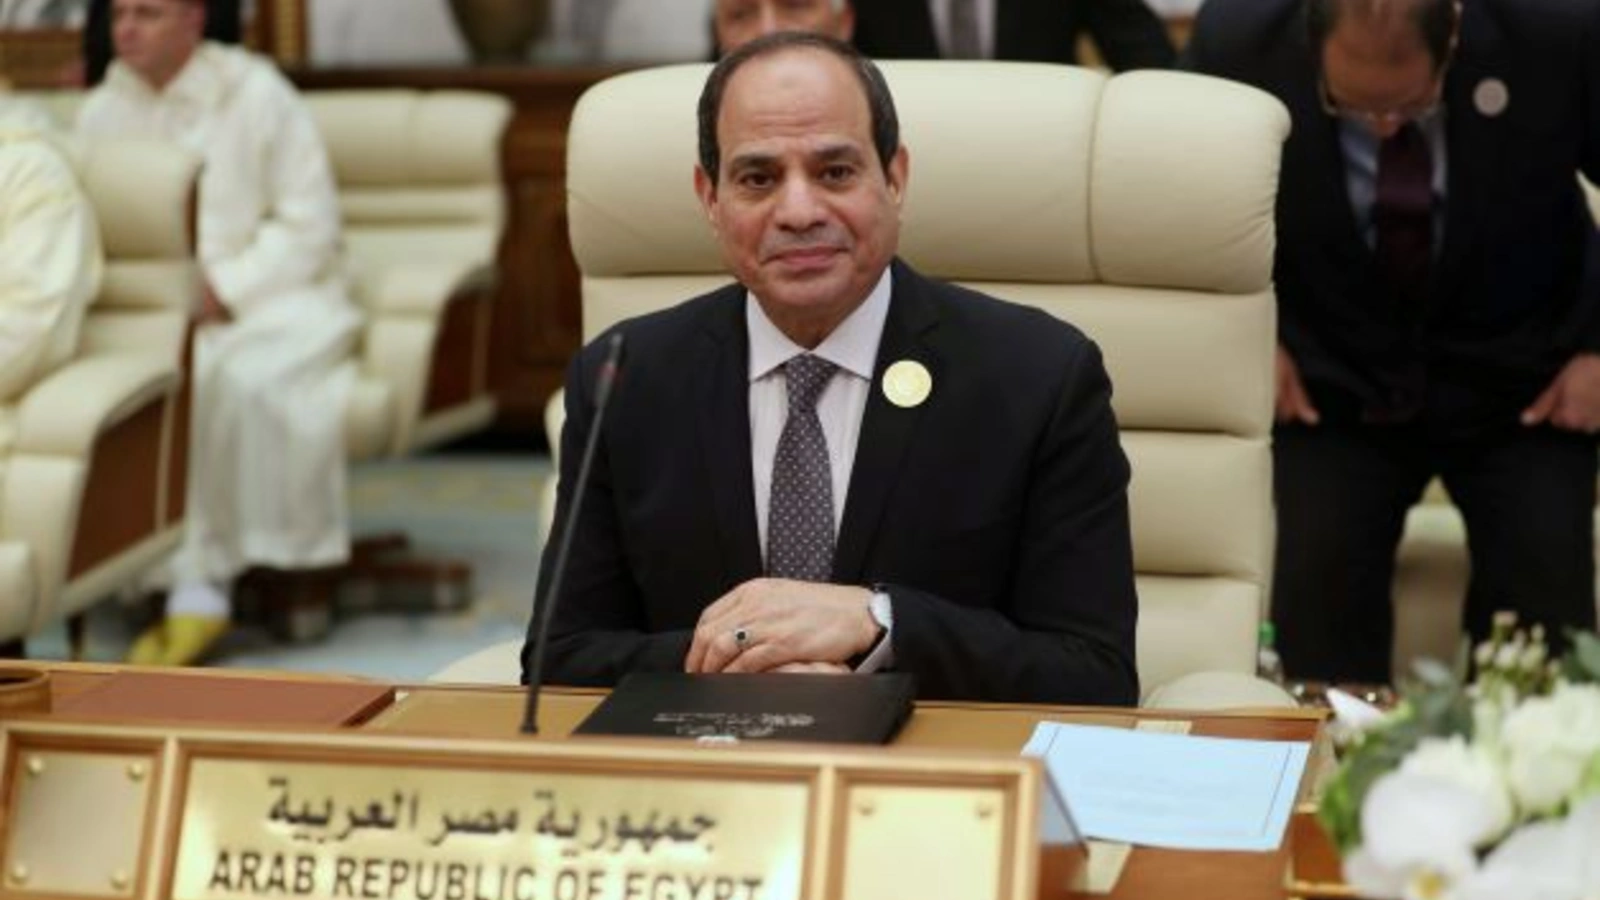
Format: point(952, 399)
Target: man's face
point(155, 38)
point(1379, 77)
point(739, 22)
point(807, 217)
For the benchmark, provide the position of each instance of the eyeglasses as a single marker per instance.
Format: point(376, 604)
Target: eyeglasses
point(1380, 118)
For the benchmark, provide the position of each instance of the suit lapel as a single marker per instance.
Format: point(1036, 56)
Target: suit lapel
point(1321, 150)
point(887, 431)
point(722, 379)
point(1475, 145)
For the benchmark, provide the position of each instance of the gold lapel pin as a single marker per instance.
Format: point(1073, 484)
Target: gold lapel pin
point(907, 383)
point(1491, 97)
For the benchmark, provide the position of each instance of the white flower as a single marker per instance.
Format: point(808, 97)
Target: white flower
point(1507, 656)
point(1533, 657)
point(1418, 835)
point(1454, 761)
point(1549, 860)
point(1550, 743)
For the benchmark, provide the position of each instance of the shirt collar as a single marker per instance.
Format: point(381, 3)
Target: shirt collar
point(853, 346)
point(200, 82)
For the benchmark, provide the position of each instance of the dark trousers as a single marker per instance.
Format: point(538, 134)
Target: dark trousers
point(1342, 492)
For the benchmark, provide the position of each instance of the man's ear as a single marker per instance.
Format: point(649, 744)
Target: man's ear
point(898, 173)
point(705, 188)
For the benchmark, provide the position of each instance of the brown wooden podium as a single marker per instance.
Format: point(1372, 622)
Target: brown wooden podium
point(350, 706)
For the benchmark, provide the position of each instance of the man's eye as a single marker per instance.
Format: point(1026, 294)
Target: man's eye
point(838, 173)
point(754, 180)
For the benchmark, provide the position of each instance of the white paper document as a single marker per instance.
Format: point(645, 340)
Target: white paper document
point(1169, 790)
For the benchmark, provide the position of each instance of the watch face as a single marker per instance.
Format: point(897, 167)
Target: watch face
point(881, 609)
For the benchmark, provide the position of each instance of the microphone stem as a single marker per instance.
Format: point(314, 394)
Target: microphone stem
point(558, 568)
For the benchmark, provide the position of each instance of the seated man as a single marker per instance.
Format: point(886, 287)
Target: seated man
point(271, 370)
point(50, 259)
point(837, 463)
point(738, 22)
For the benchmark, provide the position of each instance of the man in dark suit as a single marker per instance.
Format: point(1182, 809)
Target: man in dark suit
point(1128, 33)
point(1434, 314)
point(837, 463)
point(735, 23)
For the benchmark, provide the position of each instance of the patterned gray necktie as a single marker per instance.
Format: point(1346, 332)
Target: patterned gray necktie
point(800, 514)
point(965, 42)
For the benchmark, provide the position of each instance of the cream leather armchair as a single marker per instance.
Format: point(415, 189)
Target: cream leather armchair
point(424, 207)
point(91, 485)
point(423, 202)
point(1138, 207)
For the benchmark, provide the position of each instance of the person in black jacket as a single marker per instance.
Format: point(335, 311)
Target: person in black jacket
point(222, 24)
point(1128, 33)
point(964, 515)
point(1435, 315)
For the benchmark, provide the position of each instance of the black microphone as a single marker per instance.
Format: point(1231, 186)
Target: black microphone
point(604, 383)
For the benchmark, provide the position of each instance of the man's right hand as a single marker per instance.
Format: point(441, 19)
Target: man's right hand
point(212, 310)
point(1293, 403)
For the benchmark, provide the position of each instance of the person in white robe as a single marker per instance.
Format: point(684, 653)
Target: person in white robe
point(50, 256)
point(272, 361)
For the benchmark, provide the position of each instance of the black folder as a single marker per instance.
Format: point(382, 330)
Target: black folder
point(849, 709)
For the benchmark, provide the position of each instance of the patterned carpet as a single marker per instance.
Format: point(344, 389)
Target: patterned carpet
point(478, 509)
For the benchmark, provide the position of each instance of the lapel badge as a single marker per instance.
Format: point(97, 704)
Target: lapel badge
point(907, 383)
point(1491, 97)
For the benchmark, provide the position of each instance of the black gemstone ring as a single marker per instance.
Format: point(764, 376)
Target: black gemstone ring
point(742, 638)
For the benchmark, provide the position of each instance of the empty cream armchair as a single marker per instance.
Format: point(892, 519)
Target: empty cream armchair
point(424, 207)
point(91, 488)
point(1138, 207)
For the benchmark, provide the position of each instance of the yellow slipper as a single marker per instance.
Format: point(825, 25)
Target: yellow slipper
point(178, 641)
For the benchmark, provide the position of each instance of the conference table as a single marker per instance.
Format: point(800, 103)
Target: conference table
point(275, 701)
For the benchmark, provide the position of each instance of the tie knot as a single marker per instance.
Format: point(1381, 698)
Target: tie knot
point(807, 376)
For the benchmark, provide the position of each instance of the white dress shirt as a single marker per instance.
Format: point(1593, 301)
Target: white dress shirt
point(853, 347)
point(940, 9)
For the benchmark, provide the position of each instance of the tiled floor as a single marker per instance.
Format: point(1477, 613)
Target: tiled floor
point(480, 509)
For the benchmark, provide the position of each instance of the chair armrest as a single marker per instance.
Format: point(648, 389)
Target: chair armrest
point(63, 414)
point(1219, 690)
point(423, 288)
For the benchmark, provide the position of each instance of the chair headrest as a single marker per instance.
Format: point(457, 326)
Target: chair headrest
point(1019, 172)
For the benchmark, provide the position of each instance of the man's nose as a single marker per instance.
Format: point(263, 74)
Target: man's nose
point(798, 207)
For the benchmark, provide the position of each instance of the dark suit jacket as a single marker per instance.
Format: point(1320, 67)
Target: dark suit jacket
point(994, 514)
point(1508, 305)
point(1129, 34)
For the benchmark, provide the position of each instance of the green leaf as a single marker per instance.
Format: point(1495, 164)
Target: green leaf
point(1582, 662)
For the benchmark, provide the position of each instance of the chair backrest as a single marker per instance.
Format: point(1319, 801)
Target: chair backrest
point(418, 173)
point(1138, 207)
point(143, 192)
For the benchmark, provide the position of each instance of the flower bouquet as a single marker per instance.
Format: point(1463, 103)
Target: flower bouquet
point(1482, 790)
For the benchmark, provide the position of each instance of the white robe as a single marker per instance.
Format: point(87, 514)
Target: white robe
point(267, 466)
point(50, 258)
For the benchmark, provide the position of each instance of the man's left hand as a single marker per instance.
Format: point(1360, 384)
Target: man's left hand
point(783, 623)
point(1572, 401)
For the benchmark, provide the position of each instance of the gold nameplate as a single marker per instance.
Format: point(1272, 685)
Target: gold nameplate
point(260, 829)
point(103, 811)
